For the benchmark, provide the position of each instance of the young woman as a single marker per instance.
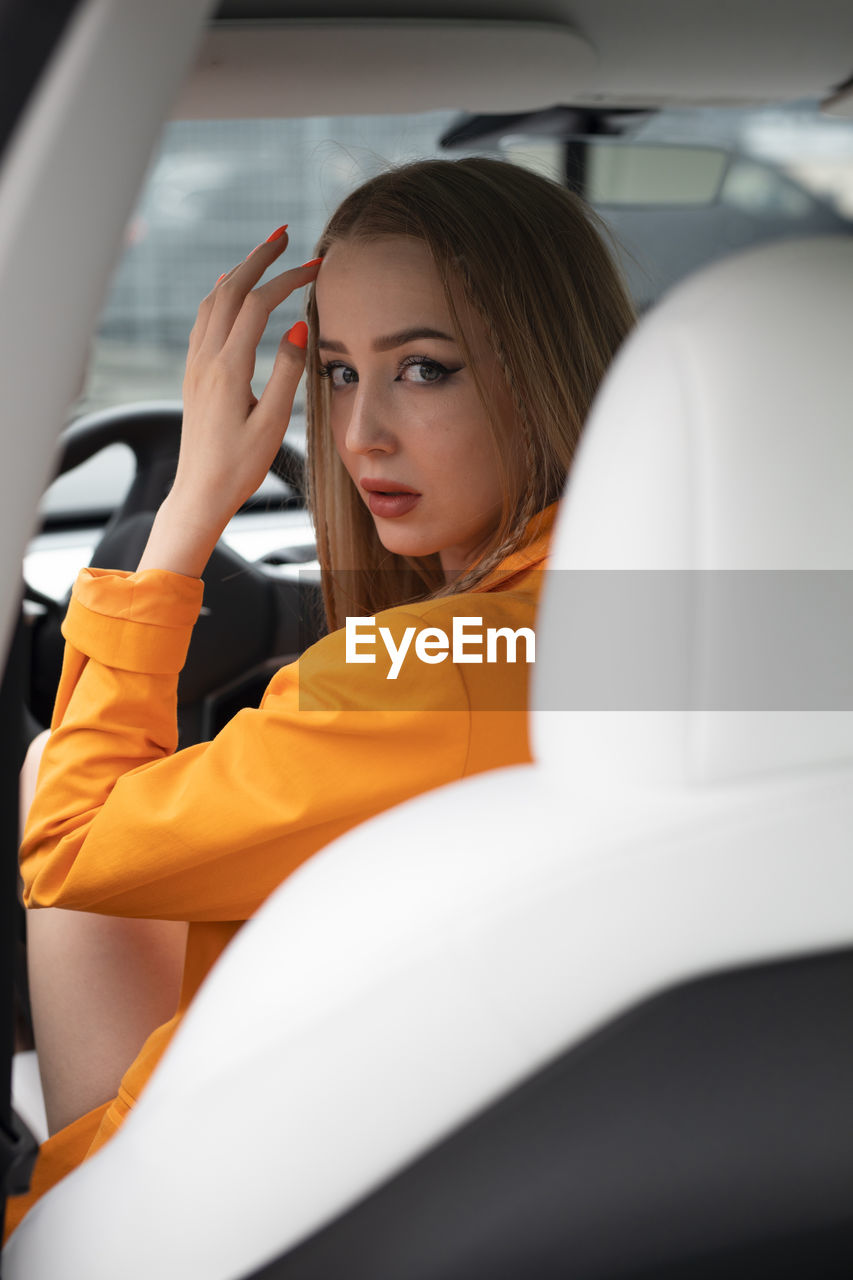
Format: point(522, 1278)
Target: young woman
point(460, 318)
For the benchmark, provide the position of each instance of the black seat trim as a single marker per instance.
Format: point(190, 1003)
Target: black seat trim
point(707, 1132)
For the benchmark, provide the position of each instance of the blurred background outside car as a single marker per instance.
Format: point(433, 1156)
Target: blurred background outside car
point(677, 188)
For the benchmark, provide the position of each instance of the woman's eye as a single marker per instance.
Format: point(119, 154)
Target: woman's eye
point(418, 370)
point(421, 371)
point(340, 375)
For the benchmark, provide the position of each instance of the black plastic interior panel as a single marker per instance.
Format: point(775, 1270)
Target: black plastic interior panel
point(706, 1133)
point(29, 33)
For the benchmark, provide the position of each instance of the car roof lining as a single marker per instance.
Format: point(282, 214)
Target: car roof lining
point(652, 52)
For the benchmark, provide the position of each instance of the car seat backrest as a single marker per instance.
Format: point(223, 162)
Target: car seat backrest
point(697, 625)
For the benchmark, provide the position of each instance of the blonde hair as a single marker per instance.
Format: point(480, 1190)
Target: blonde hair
point(528, 257)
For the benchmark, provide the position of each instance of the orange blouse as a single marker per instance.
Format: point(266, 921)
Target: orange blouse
point(124, 824)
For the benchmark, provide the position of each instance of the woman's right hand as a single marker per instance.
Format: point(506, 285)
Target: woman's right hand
point(229, 438)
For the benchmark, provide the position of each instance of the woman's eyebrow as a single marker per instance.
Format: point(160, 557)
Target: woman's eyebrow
point(391, 340)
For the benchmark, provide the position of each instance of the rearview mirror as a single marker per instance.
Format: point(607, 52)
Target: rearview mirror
point(615, 172)
point(646, 173)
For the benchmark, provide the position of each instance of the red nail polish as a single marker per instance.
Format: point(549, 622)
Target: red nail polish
point(298, 335)
point(222, 277)
point(277, 234)
point(313, 263)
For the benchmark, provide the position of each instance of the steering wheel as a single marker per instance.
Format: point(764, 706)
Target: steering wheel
point(251, 613)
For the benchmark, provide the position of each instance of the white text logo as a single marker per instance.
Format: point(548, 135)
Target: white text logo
point(468, 642)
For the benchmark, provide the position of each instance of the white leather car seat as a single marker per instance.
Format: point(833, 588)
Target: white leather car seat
point(674, 836)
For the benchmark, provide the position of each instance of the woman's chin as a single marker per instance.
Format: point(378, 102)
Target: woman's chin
point(403, 544)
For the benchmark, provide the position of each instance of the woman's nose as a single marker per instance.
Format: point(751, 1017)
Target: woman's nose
point(369, 429)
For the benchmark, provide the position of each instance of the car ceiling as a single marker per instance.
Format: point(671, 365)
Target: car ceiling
point(640, 51)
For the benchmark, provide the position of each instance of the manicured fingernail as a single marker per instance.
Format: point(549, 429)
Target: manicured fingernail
point(277, 234)
point(298, 335)
point(222, 277)
point(315, 262)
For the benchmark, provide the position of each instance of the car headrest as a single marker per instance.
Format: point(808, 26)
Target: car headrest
point(697, 621)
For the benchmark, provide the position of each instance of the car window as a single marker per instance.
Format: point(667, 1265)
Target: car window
point(216, 188)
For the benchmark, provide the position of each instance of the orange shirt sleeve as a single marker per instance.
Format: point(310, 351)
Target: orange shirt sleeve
point(122, 823)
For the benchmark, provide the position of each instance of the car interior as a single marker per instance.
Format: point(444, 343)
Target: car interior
point(587, 1017)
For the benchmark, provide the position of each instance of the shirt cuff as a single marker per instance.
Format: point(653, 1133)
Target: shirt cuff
point(138, 622)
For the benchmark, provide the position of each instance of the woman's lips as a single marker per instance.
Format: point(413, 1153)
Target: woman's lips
point(389, 505)
point(387, 499)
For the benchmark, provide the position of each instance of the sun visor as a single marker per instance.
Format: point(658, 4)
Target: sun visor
point(315, 68)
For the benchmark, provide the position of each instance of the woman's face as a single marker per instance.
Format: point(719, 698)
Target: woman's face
point(405, 414)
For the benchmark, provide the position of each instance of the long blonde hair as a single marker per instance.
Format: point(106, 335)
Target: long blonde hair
point(529, 258)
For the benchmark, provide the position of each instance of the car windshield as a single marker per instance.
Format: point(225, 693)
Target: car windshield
point(677, 188)
point(216, 187)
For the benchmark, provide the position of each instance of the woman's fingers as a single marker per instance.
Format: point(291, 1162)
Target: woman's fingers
point(199, 329)
point(232, 366)
point(248, 326)
point(272, 412)
point(229, 438)
point(222, 465)
point(220, 308)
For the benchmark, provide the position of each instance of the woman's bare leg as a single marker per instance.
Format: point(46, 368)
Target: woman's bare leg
point(99, 985)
